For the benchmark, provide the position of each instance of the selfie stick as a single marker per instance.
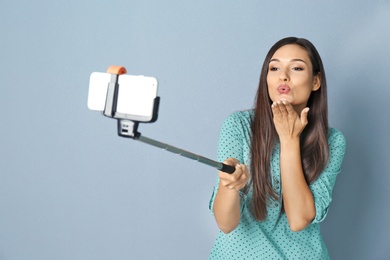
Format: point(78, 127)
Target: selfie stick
point(128, 128)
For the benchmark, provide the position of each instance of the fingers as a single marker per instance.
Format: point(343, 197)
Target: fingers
point(282, 109)
point(304, 114)
point(289, 108)
point(275, 109)
point(288, 122)
point(238, 179)
point(231, 161)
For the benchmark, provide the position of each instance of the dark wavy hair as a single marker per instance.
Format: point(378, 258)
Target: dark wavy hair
point(313, 139)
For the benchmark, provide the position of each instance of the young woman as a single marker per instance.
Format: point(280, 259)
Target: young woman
point(286, 159)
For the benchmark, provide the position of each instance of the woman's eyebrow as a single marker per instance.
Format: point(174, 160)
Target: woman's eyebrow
point(292, 60)
point(299, 60)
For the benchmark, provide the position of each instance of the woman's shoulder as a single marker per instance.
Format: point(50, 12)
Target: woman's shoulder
point(238, 121)
point(336, 137)
point(242, 115)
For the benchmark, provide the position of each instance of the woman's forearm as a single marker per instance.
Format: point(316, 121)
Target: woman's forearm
point(227, 209)
point(298, 200)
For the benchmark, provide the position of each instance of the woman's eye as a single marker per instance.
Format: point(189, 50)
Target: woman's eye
point(297, 68)
point(273, 69)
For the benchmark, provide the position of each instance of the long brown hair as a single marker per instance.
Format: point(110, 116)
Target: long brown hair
point(314, 145)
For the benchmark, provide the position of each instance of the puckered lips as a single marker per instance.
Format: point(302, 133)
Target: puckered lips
point(283, 89)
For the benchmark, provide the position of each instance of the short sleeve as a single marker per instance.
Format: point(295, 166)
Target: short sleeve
point(230, 143)
point(322, 188)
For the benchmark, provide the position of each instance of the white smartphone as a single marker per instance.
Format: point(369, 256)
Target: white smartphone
point(136, 96)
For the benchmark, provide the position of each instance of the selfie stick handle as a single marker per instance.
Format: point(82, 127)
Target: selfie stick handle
point(220, 166)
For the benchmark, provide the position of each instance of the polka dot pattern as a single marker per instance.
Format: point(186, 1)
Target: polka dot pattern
point(272, 238)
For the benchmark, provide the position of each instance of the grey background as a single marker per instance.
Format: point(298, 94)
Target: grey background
point(70, 188)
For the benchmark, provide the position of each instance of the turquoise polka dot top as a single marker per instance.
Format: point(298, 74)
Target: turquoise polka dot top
point(272, 238)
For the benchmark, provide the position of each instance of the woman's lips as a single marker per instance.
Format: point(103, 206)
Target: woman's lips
point(283, 89)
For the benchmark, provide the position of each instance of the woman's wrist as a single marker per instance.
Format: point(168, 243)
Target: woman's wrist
point(227, 189)
point(289, 140)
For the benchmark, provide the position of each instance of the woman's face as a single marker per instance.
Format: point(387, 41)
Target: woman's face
point(290, 76)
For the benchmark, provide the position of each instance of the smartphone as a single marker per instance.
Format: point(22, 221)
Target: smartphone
point(137, 98)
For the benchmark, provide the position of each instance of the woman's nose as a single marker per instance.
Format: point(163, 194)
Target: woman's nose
point(283, 76)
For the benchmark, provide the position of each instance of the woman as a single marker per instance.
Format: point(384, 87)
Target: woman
point(286, 161)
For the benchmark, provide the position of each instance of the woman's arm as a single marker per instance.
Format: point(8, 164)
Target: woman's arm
point(298, 200)
point(227, 201)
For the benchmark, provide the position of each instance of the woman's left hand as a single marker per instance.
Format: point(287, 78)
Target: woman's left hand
point(287, 122)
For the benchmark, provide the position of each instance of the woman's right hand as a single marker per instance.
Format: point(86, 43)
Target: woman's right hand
point(238, 179)
point(227, 201)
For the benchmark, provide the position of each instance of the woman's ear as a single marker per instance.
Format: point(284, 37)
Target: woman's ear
point(317, 82)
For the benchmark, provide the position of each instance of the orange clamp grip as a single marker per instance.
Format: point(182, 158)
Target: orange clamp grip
point(119, 70)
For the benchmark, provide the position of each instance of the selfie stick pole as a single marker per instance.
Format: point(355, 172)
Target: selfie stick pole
point(189, 155)
point(127, 128)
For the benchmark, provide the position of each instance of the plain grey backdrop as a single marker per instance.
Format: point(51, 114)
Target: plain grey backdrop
point(70, 188)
